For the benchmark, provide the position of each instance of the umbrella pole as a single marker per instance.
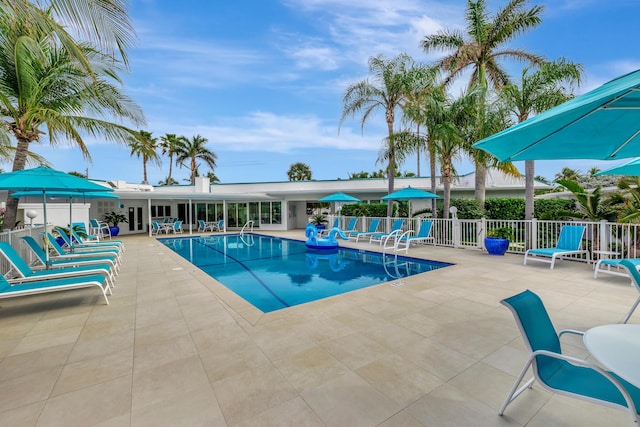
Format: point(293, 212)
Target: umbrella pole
point(46, 237)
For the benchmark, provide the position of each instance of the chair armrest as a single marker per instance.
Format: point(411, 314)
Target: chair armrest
point(570, 331)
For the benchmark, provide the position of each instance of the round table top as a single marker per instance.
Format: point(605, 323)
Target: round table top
point(617, 347)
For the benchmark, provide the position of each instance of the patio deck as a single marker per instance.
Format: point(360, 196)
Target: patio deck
point(176, 348)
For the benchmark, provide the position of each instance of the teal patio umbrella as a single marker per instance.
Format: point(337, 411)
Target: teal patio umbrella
point(601, 124)
point(340, 197)
point(630, 168)
point(43, 180)
point(410, 193)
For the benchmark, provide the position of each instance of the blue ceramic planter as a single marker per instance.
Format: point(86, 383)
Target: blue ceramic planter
point(496, 246)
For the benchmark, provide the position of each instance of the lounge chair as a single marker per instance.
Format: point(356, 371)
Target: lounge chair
point(632, 269)
point(81, 252)
point(373, 228)
point(569, 243)
point(423, 236)
point(203, 226)
point(78, 241)
point(62, 262)
point(25, 273)
point(379, 237)
point(89, 239)
point(562, 374)
point(606, 265)
point(73, 246)
point(351, 227)
point(7, 290)
point(218, 226)
point(336, 224)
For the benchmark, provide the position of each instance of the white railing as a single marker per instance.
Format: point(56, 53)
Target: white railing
point(603, 239)
point(13, 238)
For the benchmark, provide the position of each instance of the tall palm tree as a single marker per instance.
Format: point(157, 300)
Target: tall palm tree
point(299, 172)
point(549, 85)
point(44, 87)
point(481, 50)
point(387, 92)
point(144, 145)
point(170, 144)
point(192, 150)
point(567, 174)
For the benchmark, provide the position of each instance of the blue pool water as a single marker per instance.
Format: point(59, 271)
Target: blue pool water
point(273, 273)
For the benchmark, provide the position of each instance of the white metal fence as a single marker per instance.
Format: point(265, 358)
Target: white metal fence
point(13, 237)
point(602, 239)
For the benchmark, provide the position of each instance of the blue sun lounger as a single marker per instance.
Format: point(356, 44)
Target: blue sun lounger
point(379, 237)
point(569, 243)
point(25, 273)
point(606, 265)
point(7, 290)
point(82, 252)
point(60, 262)
point(373, 227)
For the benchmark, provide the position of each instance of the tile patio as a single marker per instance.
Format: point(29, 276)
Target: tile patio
point(176, 348)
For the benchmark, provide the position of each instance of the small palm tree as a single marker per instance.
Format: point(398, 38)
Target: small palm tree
point(192, 150)
point(143, 145)
point(299, 172)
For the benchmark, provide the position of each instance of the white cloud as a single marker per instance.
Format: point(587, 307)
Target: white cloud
point(270, 132)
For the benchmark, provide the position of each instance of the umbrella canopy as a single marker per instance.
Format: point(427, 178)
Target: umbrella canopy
point(601, 124)
point(409, 193)
point(340, 197)
point(631, 168)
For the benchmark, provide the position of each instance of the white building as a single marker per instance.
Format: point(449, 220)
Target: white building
point(272, 205)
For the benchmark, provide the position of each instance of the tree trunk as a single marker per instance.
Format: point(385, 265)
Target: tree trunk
point(529, 171)
point(144, 171)
point(194, 166)
point(391, 169)
point(481, 183)
point(446, 182)
point(170, 168)
point(19, 162)
point(432, 167)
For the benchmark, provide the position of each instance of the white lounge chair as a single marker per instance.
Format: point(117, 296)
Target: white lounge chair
point(569, 243)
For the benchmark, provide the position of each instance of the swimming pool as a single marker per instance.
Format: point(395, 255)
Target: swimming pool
point(274, 273)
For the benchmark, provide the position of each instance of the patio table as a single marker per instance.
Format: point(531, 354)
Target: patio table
point(617, 347)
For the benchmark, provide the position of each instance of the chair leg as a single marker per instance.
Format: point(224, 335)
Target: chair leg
point(515, 391)
point(633, 308)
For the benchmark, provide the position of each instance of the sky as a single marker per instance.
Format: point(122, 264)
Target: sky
point(263, 80)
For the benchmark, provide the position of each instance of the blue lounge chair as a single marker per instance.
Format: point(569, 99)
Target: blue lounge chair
point(7, 290)
point(632, 269)
point(562, 374)
point(373, 228)
point(25, 273)
point(155, 227)
point(606, 265)
point(92, 239)
point(219, 226)
point(569, 243)
point(63, 262)
point(379, 237)
point(74, 243)
point(177, 227)
point(423, 236)
point(99, 229)
point(81, 252)
point(351, 227)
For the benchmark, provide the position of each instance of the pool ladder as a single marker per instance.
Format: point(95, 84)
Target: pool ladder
point(248, 225)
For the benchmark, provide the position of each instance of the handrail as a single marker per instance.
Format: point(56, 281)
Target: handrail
point(395, 236)
point(248, 224)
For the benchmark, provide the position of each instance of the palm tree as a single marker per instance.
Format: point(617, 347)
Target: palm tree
point(538, 91)
point(299, 172)
point(43, 85)
point(481, 50)
point(567, 174)
point(593, 171)
point(195, 149)
point(144, 145)
point(170, 143)
point(387, 92)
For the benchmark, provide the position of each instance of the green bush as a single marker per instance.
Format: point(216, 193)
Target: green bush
point(370, 210)
point(549, 209)
point(467, 208)
point(508, 209)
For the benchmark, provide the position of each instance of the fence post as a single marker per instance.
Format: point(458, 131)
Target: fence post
point(455, 222)
point(603, 236)
point(533, 244)
point(482, 233)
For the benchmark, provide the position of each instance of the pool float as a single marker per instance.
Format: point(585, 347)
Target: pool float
point(336, 263)
point(329, 242)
